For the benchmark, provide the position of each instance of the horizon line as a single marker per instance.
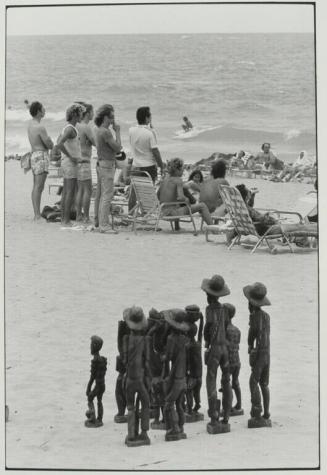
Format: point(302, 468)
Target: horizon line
point(171, 33)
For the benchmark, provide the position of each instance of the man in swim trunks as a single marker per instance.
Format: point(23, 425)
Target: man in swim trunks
point(40, 144)
point(171, 189)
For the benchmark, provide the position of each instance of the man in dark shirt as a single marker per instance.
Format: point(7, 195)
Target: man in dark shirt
point(217, 352)
point(259, 351)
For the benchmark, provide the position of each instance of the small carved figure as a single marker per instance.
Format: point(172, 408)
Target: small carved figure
point(259, 354)
point(216, 354)
point(156, 336)
point(120, 368)
point(234, 338)
point(136, 360)
point(175, 382)
point(194, 365)
point(98, 371)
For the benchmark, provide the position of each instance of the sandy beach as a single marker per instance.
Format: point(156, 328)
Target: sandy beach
point(62, 286)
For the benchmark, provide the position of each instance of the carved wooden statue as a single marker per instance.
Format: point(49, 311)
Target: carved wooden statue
point(98, 371)
point(175, 381)
point(259, 354)
point(136, 361)
point(194, 365)
point(216, 354)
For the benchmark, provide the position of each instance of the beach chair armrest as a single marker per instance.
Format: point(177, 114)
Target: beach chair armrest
point(173, 203)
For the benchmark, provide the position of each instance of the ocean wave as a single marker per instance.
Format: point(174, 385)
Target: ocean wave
point(193, 133)
point(22, 115)
point(291, 134)
point(17, 143)
point(301, 140)
point(248, 63)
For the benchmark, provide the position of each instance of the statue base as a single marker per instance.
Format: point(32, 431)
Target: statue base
point(172, 436)
point(137, 442)
point(194, 417)
point(93, 424)
point(236, 412)
point(158, 425)
point(256, 422)
point(218, 428)
point(119, 419)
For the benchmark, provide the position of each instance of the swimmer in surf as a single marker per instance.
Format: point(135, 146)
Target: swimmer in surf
point(187, 124)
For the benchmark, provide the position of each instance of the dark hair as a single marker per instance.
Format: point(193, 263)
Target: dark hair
point(230, 309)
point(175, 164)
point(105, 110)
point(218, 169)
point(35, 107)
point(87, 107)
point(196, 172)
point(243, 190)
point(265, 143)
point(142, 114)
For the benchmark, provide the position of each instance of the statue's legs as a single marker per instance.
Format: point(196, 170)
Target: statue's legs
point(236, 386)
point(189, 400)
point(264, 385)
point(256, 408)
point(196, 394)
point(211, 378)
point(120, 395)
point(180, 411)
point(130, 400)
point(227, 393)
point(145, 407)
point(100, 407)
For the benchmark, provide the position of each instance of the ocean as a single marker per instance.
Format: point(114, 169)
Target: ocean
point(239, 90)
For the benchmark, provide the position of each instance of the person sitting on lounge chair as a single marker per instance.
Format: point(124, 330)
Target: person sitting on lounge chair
point(301, 165)
point(209, 193)
point(262, 222)
point(171, 190)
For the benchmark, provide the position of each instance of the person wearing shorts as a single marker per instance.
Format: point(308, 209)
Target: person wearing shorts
point(69, 144)
point(84, 174)
point(40, 144)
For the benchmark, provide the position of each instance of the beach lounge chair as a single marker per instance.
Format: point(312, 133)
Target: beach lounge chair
point(148, 210)
point(244, 226)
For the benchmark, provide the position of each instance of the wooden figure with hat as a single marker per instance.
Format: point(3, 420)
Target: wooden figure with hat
point(175, 382)
point(234, 338)
point(121, 369)
point(136, 360)
point(216, 354)
point(194, 364)
point(259, 354)
point(98, 371)
point(157, 338)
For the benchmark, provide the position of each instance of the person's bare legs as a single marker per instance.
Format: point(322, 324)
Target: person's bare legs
point(79, 198)
point(202, 208)
point(68, 198)
point(97, 199)
point(38, 187)
point(86, 199)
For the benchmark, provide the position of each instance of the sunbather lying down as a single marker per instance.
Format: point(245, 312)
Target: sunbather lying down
point(267, 222)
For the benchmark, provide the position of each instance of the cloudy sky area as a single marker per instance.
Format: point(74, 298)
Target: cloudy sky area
point(115, 19)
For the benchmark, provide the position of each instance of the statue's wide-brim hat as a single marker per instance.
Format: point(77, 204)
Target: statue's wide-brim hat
point(256, 294)
point(135, 318)
point(155, 316)
point(176, 318)
point(215, 286)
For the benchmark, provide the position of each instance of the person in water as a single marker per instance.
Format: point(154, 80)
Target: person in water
point(187, 124)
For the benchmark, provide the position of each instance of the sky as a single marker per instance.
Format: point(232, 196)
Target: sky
point(136, 19)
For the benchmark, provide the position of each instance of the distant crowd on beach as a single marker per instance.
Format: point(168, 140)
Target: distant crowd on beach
point(73, 150)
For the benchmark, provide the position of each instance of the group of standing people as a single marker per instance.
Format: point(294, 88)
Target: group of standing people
point(74, 149)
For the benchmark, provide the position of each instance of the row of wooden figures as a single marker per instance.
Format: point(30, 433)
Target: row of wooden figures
point(159, 366)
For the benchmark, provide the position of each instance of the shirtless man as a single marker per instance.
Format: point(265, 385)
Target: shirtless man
point(209, 193)
point(171, 189)
point(40, 144)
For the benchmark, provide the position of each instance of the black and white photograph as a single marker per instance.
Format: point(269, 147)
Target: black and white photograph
point(161, 236)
